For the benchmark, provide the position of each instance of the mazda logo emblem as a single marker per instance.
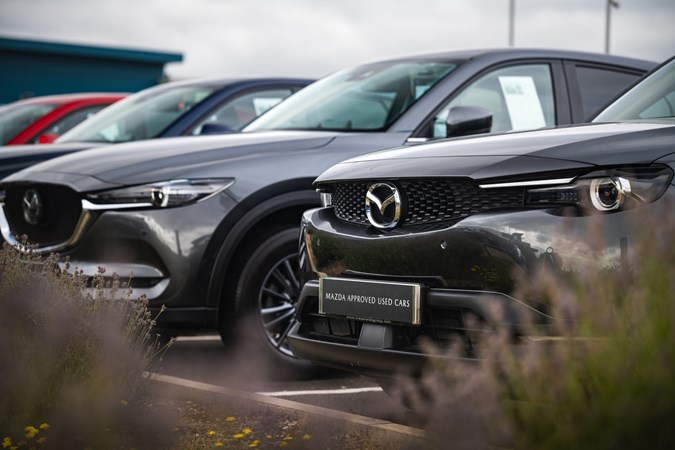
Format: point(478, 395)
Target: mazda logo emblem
point(32, 207)
point(383, 205)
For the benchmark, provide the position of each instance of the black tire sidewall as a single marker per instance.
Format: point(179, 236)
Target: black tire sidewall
point(276, 247)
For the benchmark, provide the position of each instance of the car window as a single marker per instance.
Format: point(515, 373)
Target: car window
point(599, 86)
point(15, 118)
point(653, 98)
point(664, 107)
point(233, 115)
point(519, 97)
point(69, 121)
point(143, 115)
point(365, 98)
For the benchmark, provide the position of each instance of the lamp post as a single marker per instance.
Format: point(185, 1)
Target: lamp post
point(610, 4)
point(512, 15)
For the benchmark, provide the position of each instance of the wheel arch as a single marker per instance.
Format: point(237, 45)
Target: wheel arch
point(278, 205)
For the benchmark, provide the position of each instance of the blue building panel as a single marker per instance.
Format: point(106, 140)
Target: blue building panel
point(31, 68)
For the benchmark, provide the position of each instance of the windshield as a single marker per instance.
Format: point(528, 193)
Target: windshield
point(652, 98)
point(366, 98)
point(15, 118)
point(143, 115)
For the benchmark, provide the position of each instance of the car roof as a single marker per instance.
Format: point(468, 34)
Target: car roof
point(511, 53)
point(67, 98)
point(222, 82)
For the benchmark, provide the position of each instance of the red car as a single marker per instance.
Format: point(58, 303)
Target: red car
point(43, 119)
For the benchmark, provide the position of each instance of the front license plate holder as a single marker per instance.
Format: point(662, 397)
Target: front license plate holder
point(369, 300)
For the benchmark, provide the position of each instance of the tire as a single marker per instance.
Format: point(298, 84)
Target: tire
point(267, 291)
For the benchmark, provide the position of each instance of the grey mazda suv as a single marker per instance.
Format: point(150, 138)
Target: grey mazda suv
point(208, 225)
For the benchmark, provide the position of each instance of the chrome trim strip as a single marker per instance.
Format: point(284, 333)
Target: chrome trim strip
point(417, 305)
point(4, 227)
point(151, 293)
point(527, 183)
point(417, 140)
point(89, 206)
point(86, 218)
point(321, 311)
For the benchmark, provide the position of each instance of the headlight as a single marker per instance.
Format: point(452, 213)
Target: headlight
point(165, 194)
point(609, 193)
point(605, 191)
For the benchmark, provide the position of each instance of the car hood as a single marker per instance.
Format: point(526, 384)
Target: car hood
point(163, 159)
point(16, 157)
point(515, 154)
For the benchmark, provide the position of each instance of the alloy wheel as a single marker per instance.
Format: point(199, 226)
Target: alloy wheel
point(276, 302)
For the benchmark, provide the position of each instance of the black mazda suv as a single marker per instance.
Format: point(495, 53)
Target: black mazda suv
point(410, 242)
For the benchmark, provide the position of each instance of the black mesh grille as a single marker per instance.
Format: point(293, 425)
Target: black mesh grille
point(428, 201)
point(60, 211)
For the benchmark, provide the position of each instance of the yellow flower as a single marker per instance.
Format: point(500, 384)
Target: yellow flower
point(247, 431)
point(31, 432)
point(6, 442)
point(268, 436)
point(307, 437)
point(283, 444)
point(238, 435)
point(42, 440)
point(44, 426)
point(288, 438)
point(211, 433)
point(230, 419)
point(218, 444)
point(254, 444)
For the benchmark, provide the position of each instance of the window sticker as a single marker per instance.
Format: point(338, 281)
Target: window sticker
point(522, 102)
point(262, 104)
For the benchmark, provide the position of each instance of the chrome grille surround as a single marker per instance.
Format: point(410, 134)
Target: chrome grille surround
point(63, 222)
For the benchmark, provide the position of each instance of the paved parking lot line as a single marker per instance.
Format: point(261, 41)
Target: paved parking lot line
point(380, 424)
point(321, 392)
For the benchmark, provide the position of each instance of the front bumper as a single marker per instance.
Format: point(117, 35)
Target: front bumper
point(470, 273)
point(380, 350)
point(164, 254)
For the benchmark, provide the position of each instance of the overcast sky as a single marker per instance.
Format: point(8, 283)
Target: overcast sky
point(315, 37)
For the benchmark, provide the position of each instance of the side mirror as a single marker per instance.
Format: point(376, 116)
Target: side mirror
point(214, 128)
point(466, 120)
point(47, 138)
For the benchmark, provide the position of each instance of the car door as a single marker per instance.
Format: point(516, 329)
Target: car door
point(522, 95)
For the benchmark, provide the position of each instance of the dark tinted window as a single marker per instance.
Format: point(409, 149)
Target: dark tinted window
point(599, 86)
point(653, 98)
